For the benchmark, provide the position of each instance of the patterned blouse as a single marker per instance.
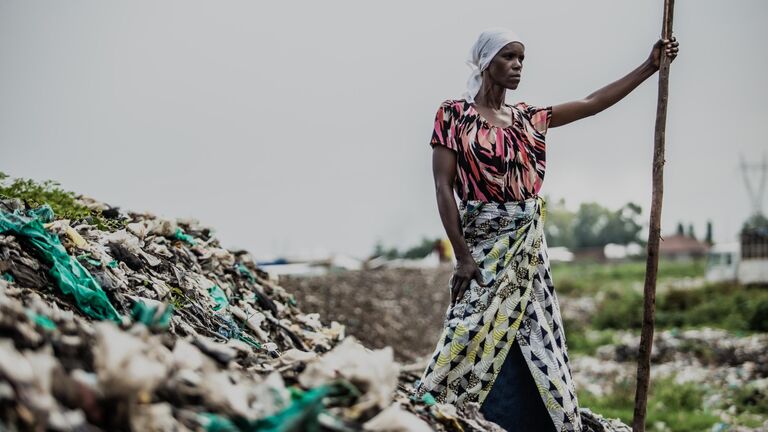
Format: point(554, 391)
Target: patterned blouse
point(494, 164)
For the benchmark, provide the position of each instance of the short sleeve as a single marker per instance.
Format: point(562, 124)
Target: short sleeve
point(540, 117)
point(444, 131)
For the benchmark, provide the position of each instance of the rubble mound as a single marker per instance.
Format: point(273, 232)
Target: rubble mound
point(148, 324)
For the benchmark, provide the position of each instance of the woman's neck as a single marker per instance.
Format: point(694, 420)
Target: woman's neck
point(492, 97)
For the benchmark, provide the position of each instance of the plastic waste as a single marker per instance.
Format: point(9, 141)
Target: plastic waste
point(73, 279)
point(152, 313)
point(179, 234)
point(219, 297)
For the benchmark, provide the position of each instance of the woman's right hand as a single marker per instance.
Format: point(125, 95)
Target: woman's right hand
point(466, 270)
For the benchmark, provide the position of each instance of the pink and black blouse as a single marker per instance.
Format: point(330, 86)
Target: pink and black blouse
point(494, 164)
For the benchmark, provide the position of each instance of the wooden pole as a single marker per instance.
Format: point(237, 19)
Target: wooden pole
point(652, 261)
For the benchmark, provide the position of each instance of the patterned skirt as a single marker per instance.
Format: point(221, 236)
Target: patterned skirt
point(518, 304)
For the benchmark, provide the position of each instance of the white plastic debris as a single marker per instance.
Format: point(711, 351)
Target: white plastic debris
point(374, 372)
point(127, 365)
point(395, 419)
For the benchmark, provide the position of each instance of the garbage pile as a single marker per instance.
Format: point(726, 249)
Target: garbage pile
point(150, 325)
point(717, 361)
point(707, 346)
point(706, 356)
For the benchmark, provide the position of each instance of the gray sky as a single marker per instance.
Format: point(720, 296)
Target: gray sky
point(304, 126)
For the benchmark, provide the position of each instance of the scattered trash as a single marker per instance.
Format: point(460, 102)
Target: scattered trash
point(155, 326)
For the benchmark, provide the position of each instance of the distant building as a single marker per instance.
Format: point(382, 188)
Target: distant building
point(680, 247)
point(753, 267)
point(723, 262)
point(619, 252)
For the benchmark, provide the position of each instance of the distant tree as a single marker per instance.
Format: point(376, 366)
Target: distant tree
point(680, 229)
point(708, 237)
point(559, 224)
point(421, 250)
point(690, 231)
point(380, 250)
point(591, 218)
point(623, 225)
point(592, 225)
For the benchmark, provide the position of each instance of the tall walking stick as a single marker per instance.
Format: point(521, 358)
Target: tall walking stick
point(652, 261)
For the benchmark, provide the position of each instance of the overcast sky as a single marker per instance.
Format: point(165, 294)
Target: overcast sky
point(304, 126)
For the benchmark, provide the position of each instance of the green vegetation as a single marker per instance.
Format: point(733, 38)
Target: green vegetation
point(678, 406)
point(749, 399)
point(64, 203)
point(726, 306)
point(592, 224)
point(590, 278)
point(722, 305)
point(418, 251)
point(619, 287)
point(587, 341)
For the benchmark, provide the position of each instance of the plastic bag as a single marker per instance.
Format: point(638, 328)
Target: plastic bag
point(72, 278)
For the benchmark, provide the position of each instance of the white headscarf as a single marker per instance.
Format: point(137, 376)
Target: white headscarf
point(489, 43)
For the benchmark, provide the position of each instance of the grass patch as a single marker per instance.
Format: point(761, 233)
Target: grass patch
point(678, 406)
point(589, 277)
point(728, 306)
point(63, 203)
point(621, 309)
point(586, 342)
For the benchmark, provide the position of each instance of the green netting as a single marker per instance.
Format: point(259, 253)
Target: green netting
point(43, 213)
point(41, 320)
point(249, 340)
point(179, 234)
point(219, 297)
point(428, 399)
point(8, 277)
point(245, 272)
point(87, 258)
point(72, 278)
point(300, 416)
point(216, 423)
point(148, 315)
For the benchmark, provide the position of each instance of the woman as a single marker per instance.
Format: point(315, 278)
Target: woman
point(502, 294)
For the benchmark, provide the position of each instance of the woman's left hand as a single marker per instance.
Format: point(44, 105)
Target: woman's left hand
point(670, 48)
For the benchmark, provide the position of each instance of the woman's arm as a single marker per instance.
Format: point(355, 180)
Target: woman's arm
point(444, 171)
point(568, 112)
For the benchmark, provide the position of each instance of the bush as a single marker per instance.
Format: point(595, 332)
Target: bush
point(587, 342)
point(759, 320)
point(621, 309)
point(724, 305)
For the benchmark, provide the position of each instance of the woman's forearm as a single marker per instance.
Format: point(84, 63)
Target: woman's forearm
point(568, 112)
point(449, 214)
point(617, 90)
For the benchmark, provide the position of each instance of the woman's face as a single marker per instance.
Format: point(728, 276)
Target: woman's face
point(507, 65)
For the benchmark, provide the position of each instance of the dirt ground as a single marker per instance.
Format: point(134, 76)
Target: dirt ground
point(403, 308)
